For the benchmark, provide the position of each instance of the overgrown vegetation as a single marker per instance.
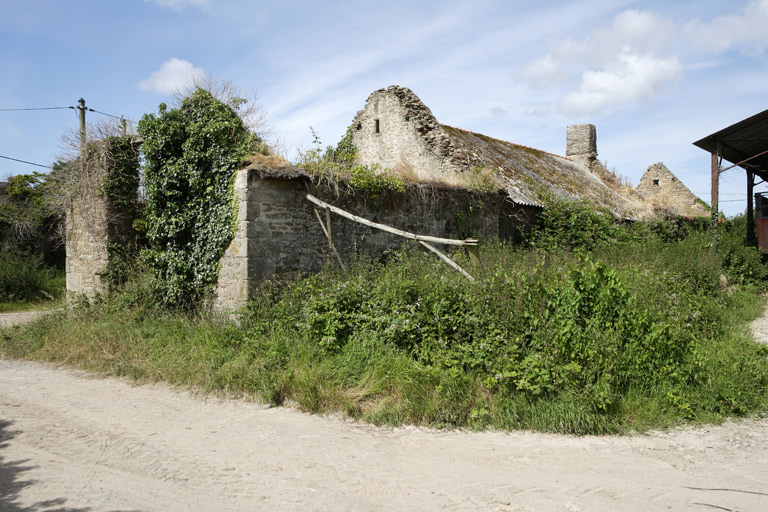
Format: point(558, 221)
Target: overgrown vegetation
point(31, 215)
point(333, 166)
point(594, 327)
point(191, 154)
point(31, 239)
point(25, 278)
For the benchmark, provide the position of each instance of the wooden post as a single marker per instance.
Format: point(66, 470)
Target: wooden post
point(715, 183)
point(751, 231)
point(714, 196)
point(81, 114)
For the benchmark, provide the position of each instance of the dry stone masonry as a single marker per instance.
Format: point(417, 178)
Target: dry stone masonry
point(581, 144)
point(279, 235)
point(94, 223)
point(666, 192)
point(396, 131)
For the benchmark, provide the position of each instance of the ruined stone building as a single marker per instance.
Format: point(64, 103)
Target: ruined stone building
point(459, 184)
point(667, 194)
point(395, 130)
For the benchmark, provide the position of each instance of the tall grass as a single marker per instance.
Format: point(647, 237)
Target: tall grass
point(629, 335)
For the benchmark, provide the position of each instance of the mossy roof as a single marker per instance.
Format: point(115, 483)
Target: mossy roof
point(533, 176)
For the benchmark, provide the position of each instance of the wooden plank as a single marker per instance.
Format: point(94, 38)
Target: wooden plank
point(448, 260)
point(389, 229)
point(333, 248)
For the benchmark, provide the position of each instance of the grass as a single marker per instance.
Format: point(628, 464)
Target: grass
point(625, 337)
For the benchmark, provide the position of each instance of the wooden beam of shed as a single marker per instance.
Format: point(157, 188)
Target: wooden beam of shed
point(389, 229)
point(743, 161)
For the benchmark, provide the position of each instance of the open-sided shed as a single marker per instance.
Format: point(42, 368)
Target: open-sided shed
point(745, 145)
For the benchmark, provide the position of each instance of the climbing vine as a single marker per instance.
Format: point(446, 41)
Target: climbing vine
point(191, 154)
point(121, 180)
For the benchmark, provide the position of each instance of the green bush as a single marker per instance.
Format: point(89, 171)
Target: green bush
point(742, 262)
point(24, 277)
point(578, 225)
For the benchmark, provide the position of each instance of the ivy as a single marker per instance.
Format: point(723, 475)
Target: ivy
point(191, 154)
point(121, 181)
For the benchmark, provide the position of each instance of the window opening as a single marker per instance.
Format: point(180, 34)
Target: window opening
point(376, 126)
point(655, 183)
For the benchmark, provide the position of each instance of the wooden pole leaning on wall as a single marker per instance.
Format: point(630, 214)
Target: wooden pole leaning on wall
point(422, 239)
point(330, 242)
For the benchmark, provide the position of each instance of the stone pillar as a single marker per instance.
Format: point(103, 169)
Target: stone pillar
point(95, 221)
point(581, 145)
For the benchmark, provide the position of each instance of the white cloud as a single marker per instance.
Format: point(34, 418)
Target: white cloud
point(633, 79)
point(640, 55)
point(626, 62)
point(178, 5)
point(543, 72)
point(174, 75)
point(745, 29)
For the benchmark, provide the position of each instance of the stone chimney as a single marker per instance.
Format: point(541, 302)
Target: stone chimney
point(581, 145)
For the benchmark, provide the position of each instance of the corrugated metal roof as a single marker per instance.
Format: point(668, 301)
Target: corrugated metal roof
point(740, 141)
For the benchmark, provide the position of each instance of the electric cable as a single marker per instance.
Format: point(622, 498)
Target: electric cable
point(36, 108)
point(25, 162)
point(103, 113)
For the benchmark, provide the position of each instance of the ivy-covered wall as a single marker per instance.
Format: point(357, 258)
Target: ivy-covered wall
point(191, 154)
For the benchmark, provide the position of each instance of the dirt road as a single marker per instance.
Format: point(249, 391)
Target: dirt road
point(70, 442)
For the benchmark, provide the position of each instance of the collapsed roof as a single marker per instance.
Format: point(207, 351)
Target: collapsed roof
point(397, 131)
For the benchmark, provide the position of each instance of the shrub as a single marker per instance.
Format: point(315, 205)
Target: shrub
point(24, 277)
point(578, 225)
point(742, 262)
point(191, 154)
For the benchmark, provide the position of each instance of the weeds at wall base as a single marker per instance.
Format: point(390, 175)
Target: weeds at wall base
point(373, 370)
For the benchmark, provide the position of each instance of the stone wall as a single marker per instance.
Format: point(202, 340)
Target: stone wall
point(398, 132)
point(279, 234)
point(664, 191)
point(94, 222)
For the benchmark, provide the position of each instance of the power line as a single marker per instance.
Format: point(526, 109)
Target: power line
point(103, 113)
point(37, 108)
point(55, 108)
point(25, 162)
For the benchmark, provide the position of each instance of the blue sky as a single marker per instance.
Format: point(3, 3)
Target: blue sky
point(653, 76)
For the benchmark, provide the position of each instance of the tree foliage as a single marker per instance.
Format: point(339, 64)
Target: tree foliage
point(191, 154)
point(31, 217)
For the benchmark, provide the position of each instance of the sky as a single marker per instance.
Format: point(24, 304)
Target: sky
point(653, 76)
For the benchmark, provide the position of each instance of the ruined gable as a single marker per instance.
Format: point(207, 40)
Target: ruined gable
point(396, 131)
point(663, 190)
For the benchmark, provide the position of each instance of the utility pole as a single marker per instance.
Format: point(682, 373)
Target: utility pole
point(81, 111)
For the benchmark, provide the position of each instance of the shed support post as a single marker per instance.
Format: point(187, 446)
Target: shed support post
point(751, 231)
point(715, 193)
